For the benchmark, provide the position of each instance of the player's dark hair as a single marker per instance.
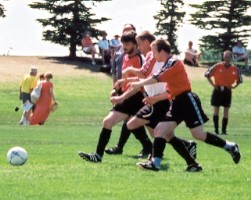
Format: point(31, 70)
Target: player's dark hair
point(133, 27)
point(129, 36)
point(162, 44)
point(146, 35)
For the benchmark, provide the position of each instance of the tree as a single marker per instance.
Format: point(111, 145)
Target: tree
point(2, 10)
point(69, 20)
point(169, 19)
point(229, 20)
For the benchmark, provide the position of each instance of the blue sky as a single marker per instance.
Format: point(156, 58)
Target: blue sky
point(20, 34)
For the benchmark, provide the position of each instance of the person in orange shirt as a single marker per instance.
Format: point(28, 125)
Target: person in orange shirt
point(43, 105)
point(88, 46)
point(124, 110)
point(186, 106)
point(226, 77)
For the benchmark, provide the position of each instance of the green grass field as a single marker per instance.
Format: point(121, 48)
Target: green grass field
point(55, 171)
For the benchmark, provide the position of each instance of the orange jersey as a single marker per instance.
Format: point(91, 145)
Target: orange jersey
point(86, 42)
point(134, 61)
point(224, 76)
point(174, 74)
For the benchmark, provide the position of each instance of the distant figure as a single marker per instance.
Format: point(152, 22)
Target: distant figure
point(43, 105)
point(115, 43)
point(104, 49)
point(240, 53)
point(88, 46)
point(224, 77)
point(191, 55)
point(28, 83)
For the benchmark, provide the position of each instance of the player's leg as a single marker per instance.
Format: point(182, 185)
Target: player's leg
point(225, 120)
point(109, 121)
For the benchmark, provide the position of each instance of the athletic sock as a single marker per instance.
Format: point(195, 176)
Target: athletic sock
point(104, 138)
point(159, 145)
point(141, 135)
point(215, 140)
point(216, 123)
point(224, 125)
point(124, 135)
point(180, 148)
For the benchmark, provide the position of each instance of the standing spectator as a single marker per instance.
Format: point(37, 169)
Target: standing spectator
point(88, 46)
point(186, 106)
point(28, 83)
point(225, 75)
point(240, 53)
point(104, 49)
point(191, 55)
point(43, 105)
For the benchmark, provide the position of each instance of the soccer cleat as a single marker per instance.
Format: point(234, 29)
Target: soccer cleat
point(92, 157)
point(194, 168)
point(235, 153)
point(149, 165)
point(192, 148)
point(114, 150)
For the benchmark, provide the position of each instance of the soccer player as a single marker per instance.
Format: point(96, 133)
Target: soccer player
point(140, 133)
point(226, 77)
point(186, 106)
point(123, 111)
point(156, 102)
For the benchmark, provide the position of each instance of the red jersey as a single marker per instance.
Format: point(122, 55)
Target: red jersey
point(134, 61)
point(224, 76)
point(147, 67)
point(174, 74)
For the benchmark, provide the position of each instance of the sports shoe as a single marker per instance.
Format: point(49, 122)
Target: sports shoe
point(114, 150)
point(194, 168)
point(93, 62)
point(192, 148)
point(143, 153)
point(149, 165)
point(92, 157)
point(235, 153)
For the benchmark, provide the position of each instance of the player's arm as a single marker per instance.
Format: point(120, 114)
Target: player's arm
point(133, 71)
point(124, 96)
point(155, 99)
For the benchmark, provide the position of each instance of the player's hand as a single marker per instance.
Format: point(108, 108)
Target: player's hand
point(119, 83)
point(116, 100)
point(149, 100)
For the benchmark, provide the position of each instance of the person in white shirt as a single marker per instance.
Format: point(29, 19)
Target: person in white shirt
point(104, 49)
point(191, 55)
point(240, 53)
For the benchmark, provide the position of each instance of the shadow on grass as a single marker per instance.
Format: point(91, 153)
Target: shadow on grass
point(80, 63)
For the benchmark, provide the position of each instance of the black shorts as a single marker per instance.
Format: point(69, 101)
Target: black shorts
point(221, 96)
point(131, 105)
point(186, 107)
point(25, 97)
point(154, 113)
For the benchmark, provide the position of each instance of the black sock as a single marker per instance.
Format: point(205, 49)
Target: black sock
point(215, 140)
point(159, 145)
point(104, 138)
point(141, 135)
point(180, 148)
point(224, 125)
point(124, 135)
point(216, 123)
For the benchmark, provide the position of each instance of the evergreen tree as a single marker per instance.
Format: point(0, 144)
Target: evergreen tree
point(227, 18)
point(69, 20)
point(2, 10)
point(169, 19)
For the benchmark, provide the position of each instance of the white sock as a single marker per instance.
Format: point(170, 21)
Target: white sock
point(229, 145)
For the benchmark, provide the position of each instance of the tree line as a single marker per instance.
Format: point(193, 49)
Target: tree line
point(227, 21)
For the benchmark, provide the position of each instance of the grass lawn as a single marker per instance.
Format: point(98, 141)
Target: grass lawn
point(55, 171)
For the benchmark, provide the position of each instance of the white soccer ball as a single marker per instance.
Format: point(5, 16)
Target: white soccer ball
point(17, 156)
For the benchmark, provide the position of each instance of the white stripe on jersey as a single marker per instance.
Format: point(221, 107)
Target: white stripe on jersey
point(156, 88)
